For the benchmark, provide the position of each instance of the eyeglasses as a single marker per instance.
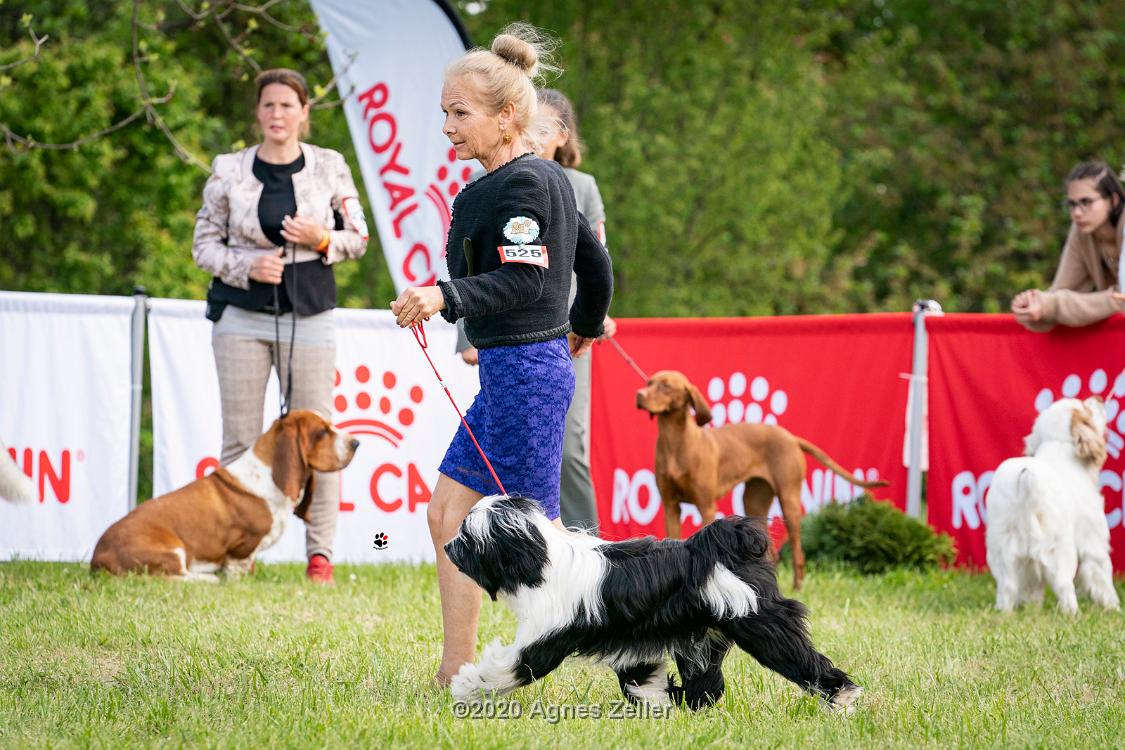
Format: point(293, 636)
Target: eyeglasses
point(1082, 205)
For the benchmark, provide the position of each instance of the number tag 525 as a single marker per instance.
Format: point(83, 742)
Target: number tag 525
point(535, 255)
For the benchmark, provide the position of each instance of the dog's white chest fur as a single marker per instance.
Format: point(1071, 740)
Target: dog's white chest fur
point(257, 477)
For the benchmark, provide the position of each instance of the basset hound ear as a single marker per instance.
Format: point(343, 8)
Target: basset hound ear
point(1089, 445)
point(290, 472)
point(699, 404)
point(302, 509)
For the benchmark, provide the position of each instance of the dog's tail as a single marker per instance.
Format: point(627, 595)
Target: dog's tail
point(1034, 520)
point(730, 540)
point(15, 487)
point(836, 468)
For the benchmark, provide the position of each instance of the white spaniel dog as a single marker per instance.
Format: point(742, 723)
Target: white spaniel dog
point(1046, 515)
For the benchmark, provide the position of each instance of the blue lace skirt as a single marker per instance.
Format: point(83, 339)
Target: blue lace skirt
point(519, 418)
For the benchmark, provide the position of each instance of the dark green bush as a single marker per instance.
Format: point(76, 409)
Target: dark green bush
point(873, 536)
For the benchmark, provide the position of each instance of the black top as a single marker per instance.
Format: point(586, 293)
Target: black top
point(306, 288)
point(278, 200)
point(525, 204)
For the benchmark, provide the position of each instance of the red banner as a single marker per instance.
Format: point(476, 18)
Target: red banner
point(837, 381)
point(988, 379)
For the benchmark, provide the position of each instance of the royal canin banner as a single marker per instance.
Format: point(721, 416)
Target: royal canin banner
point(988, 380)
point(838, 381)
point(386, 396)
point(64, 417)
point(389, 58)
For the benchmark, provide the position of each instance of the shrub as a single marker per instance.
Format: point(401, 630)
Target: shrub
point(873, 536)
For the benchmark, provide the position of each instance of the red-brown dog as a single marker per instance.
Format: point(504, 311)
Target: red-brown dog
point(218, 523)
point(699, 466)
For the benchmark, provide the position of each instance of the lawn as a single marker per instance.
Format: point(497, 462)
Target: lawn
point(274, 662)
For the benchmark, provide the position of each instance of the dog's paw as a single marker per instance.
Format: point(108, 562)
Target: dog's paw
point(844, 701)
point(467, 686)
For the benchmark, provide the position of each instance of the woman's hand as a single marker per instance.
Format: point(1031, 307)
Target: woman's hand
point(609, 328)
point(267, 268)
point(579, 345)
point(1028, 306)
point(470, 356)
point(417, 303)
point(302, 231)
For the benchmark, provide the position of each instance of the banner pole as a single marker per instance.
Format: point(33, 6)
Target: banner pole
point(918, 388)
point(137, 348)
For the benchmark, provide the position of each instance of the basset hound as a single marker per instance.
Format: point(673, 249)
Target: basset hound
point(218, 523)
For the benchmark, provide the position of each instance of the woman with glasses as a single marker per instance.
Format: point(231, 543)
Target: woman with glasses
point(1086, 284)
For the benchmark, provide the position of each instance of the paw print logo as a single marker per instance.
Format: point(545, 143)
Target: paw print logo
point(441, 192)
point(381, 540)
point(731, 404)
point(361, 414)
point(1097, 384)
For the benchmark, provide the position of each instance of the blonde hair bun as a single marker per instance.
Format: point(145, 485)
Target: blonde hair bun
point(518, 52)
point(526, 47)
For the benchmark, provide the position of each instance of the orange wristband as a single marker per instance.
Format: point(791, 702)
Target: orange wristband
point(323, 243)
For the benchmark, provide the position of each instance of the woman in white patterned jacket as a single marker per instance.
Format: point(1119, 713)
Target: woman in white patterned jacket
point(276, 217)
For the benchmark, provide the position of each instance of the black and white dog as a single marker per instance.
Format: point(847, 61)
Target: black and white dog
point(628, 604)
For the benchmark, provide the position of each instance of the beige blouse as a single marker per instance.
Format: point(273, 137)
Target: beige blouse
point(228, 235)
point(1082, 292)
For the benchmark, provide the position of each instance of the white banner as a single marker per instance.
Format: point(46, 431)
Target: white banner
point(390, 58)
point(386, 396)
point(64, 417)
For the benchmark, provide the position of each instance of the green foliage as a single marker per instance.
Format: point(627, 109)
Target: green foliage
point(826, 156)
point(119, 211)
point(835, 155)
point(873, 536)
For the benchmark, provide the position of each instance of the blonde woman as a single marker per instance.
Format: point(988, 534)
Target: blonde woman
point(515, 239)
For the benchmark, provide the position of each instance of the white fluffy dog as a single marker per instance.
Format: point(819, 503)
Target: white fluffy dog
point(1046, 515)
point(15, 487)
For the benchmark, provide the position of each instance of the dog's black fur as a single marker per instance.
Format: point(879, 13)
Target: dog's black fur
point(651, 603)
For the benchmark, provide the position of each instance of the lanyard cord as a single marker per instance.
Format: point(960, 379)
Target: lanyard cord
point(420, 336)
point(284, 394)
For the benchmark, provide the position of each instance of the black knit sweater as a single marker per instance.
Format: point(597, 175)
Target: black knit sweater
point(506, 303)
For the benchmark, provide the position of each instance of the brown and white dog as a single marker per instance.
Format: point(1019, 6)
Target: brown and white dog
point(699, 466)
point(218, 523)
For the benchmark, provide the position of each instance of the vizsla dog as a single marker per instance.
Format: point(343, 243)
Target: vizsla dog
point(218, 523)
point(699, 466)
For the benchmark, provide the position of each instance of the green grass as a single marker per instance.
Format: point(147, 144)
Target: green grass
point(274, 662)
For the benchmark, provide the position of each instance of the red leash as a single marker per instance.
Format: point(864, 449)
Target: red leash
point(420, 336)
point(628, 359)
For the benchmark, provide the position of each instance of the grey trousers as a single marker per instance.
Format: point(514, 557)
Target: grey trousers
point(244, 366)
point(578, 505)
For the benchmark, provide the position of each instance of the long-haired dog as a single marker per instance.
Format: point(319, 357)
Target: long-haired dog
point(15, 487)
point(629, 604)
point(1046, 515)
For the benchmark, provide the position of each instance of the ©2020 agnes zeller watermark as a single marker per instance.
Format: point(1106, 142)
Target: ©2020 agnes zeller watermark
point(556, 712)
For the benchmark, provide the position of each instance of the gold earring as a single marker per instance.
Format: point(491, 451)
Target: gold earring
point(507, 138)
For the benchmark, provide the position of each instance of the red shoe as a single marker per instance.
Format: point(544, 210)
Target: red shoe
point(320, 570)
